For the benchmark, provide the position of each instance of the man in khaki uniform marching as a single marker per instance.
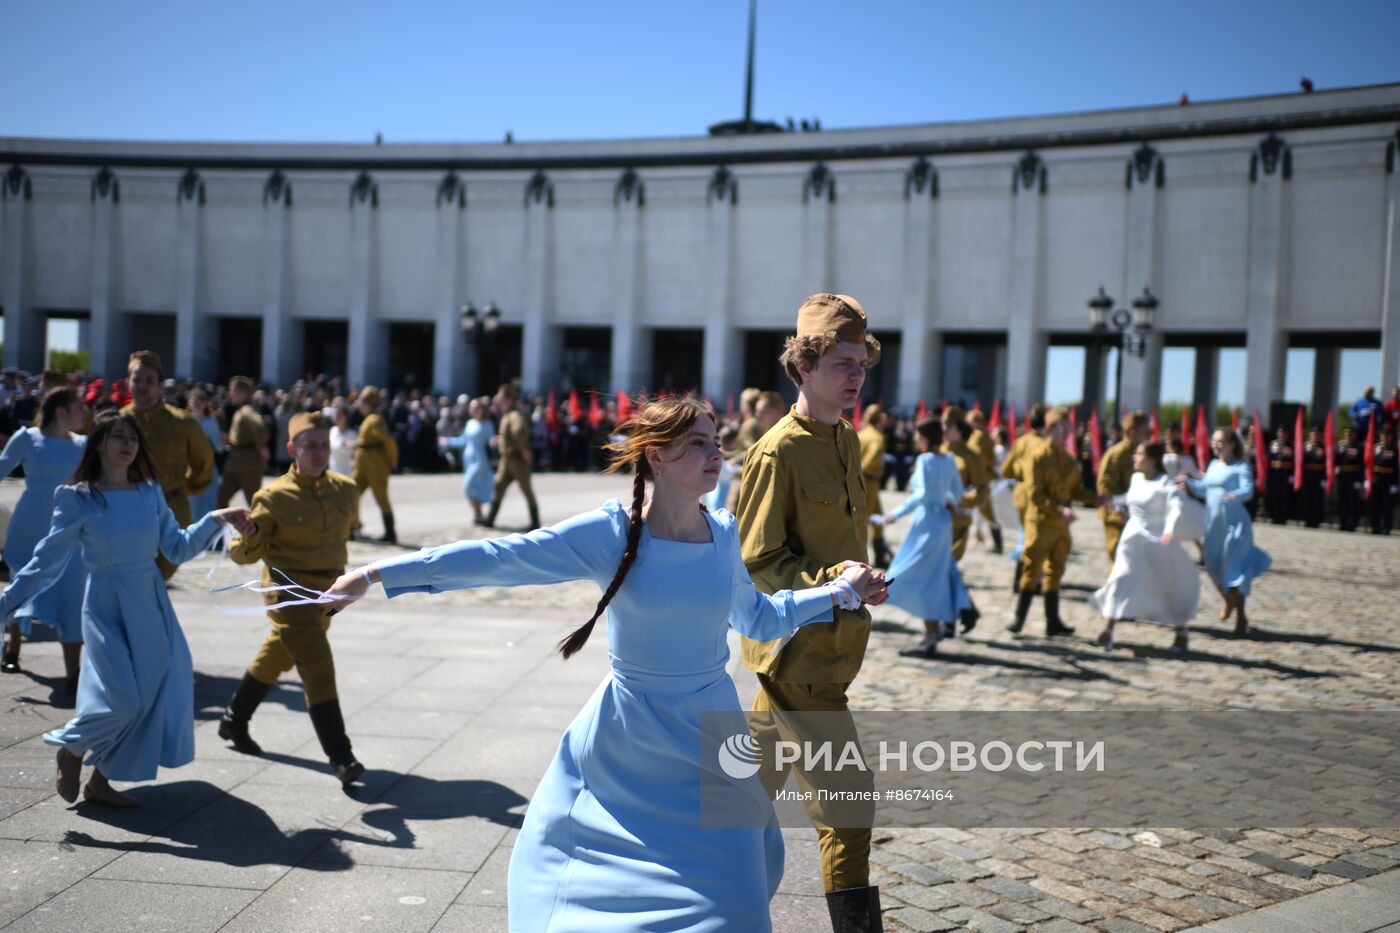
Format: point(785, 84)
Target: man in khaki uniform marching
point(983, 445)
point(1011, 468)
point(767, 408)
point(304, 519)
point(1052, 481)
point(802, 520)
point(181, 451)
point(516, 461)
point(1116, 474)
point(376, 455)
point(872, 468)
point(971, 470)
point(247, 445)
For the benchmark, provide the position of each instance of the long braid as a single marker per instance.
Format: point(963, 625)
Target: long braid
point(570, 646)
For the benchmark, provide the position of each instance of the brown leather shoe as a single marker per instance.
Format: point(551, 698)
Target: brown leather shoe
point(70, 769)
point(98, 790)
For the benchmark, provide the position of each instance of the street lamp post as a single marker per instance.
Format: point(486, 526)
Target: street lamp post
point(1132, 329)
point(478, 329)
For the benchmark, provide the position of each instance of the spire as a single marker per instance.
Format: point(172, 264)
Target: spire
point(748, 124)
point(748, 78)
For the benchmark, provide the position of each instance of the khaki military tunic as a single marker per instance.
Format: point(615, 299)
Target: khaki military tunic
point(1014, 467)
point(986, 448)
point(1052, 481)
point(872, 468)
point(183, 457)
point(976, 492)
point(303, 525)
point(514, 466)
point(376, 455)
point(749, 433)
point(243, 470)
point(1115, 476)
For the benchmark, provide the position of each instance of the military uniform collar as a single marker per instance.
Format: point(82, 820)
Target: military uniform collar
point(303, 481)
point(813, 426)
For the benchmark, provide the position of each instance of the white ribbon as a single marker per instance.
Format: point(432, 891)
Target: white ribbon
point(303, 595)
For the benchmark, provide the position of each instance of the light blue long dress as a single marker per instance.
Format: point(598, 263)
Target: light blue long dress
point(926, 577)
point(47, 462)
point(135, 705)
point(612, 839)
point(208, 500)
point(478, 482)
point(1232, 560)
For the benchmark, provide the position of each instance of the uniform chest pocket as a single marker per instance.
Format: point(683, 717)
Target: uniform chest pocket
point(823, 492)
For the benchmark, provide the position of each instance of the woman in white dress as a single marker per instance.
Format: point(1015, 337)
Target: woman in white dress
point(343, 439)
point(1153, 578)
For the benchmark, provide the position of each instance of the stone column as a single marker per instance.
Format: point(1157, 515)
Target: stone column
point(723, 350)
point(109, 338)
point(1142, 375)
point(24, 330)
point(1206, 380)
point(1327, 371)
point(366, 352)
point(1266, 344)
point(628, 353)
point(818, 198)
point(539, 362)
point(281, 345)
point(1390, 293)
point(453, 371)
point(1026, 342)
point(920, 356)
point(194, 347)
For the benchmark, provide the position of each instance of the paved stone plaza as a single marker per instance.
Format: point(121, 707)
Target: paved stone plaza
point(455, 704)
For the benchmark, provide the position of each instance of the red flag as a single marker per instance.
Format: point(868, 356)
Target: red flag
point(1329, 438)
point(855, 416)
point(1095, 440)
point(1011, 423)
point(1202, 439)
point(595, 411)
point(1186, 442)
point(1298, 451)
point(729, 408)
point(923, 410)
point(994, 421)
point(1261, 452)
point(1370, 452)
point(1156, 430)
point(1073, 432)
point(575, 409)
point(977, 404)
point(551, 413)
point(624, 407)
point(1235, 420)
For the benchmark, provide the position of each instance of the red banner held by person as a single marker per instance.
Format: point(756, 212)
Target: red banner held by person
point(1187, 443)
point(1329, 439)
point(624, 407)
point(994, 421)
point(1261, 452)
point(1202, 439)
point(1371, 452)
point(575, 409)
point(1073, 432)
point(1095, 440)
point(1156, 425)
point(595, 411)
point(1298, 451)
point(551, 413)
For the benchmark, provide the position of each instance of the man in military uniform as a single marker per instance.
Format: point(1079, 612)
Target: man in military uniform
point(982, 444)
point(516, 462)
point(872, 468)
point(1351, 480)
point(1383, 483)
point(376, 455)
point(971, 469)
point(247, 445)
point(178, 445)
point(304, 519)
point(1052, 482)
point(767, 408)
point(1011, 468)
point(1278, 481)
point(1116, 474)
point(802, 520)
point(1314, 491)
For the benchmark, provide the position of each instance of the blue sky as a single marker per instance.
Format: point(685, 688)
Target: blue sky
point(418, 70)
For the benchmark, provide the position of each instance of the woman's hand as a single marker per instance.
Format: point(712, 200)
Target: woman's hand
point(350, 587)
point(869, 583)
point(1167, 538)
point(238, 519)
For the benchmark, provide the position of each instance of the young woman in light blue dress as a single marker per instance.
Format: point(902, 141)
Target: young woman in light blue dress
point(49, 453)
point(135, 708)
point(924, 577)
point(613, 838)
point(478, 480)
point(1231, 558)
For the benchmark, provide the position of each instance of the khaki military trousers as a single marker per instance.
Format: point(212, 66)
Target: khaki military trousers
point(845, 852)
point(375, 478)
point(872, 506)
point(298, 639)
point(513, 470)
point(1045, 553)
point(1113, 524)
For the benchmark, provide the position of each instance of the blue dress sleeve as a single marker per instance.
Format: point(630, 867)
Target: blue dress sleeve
point(763, 617)
point(51, 555)
point(585, 547)
point(1245, 491)
point(15, 451)
point(918, 487)
point(180, 544)
point(455, 443)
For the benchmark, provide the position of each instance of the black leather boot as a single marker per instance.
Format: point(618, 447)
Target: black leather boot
point(1053, 625)
point(1016, 578)
point(390, 536)
point(534, 517)
point(882, 553)
point(330, 730)
point(491, 514)
point(969, 617)
point(997, 545)
point(9, 662)
point(233, 726)
point(855, 910)
point(1023, 608)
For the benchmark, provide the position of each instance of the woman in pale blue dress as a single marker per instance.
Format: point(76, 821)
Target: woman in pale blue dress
point(48, 453)
point(135, 708)
point(478, 481)
point(1231, 558)
point(924, 577)
point(201, 406)
point(613, 838)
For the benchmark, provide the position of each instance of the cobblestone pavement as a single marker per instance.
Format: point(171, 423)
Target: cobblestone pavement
point(444, 699)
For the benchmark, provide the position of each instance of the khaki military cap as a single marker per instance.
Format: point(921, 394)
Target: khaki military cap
point(241, 382)
point(146, 358)
point(1055, 416)
point(1134, 419)
point(824, 314)
point(305, 421)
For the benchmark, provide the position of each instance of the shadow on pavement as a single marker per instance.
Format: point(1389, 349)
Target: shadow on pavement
point(212, 693)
